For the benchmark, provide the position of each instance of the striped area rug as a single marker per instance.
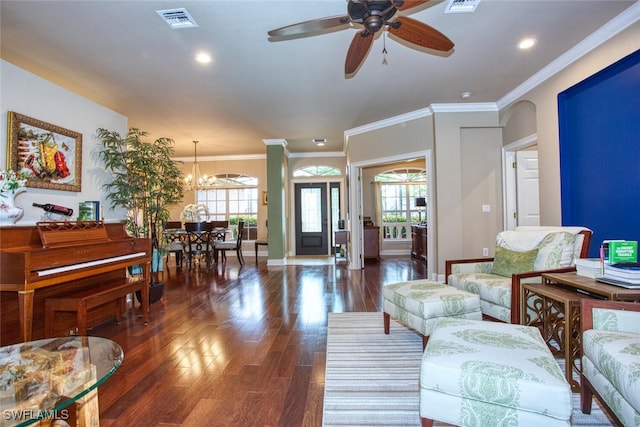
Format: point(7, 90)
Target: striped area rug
point(372, 379)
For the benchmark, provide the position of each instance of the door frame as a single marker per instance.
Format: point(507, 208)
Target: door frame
point(355, 207)
point(328, 180)
point(509, 186)
point(325, 232)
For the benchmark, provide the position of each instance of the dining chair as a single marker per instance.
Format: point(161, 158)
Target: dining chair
point(174, 241)
point(220, 229)
point(199, 241)
point(230, 245)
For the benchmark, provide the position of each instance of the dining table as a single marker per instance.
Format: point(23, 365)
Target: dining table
point(181, 235)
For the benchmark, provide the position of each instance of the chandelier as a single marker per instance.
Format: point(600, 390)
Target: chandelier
point(195, 180)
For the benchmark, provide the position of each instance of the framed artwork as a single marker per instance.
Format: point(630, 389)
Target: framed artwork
point(49, 155)
point(264, 197)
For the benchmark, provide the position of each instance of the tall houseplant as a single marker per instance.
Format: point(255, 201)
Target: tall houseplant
point(146, 181)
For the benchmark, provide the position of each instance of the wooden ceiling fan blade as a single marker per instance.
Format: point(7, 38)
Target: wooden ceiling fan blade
point(358, 51)
point(408, 4)
point(421, 34)
point(312, 26)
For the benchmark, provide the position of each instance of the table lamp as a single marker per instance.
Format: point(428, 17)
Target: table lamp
point(420, 203)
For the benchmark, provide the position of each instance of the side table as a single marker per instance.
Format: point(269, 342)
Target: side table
point(555, 309)
point(341, 246)
point(591, 286)
point(556, 312)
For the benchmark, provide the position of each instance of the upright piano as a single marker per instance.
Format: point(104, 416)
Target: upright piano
point(67, 255)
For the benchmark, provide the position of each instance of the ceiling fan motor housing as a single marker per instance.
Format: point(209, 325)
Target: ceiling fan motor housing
point(374, 14)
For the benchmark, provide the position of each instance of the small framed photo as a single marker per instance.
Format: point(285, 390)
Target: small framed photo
point(49, 155)
point(89, 210)
point(264, 198)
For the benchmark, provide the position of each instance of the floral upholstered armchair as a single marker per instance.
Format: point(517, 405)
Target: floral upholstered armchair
point(611, 358)
point(521, 256)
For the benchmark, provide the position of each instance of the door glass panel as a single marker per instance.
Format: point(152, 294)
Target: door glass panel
point(311, 203)
point(335, 207)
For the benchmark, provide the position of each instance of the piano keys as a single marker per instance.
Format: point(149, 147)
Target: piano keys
point(60, 256)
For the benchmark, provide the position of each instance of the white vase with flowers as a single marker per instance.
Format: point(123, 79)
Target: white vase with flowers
point(12, 184)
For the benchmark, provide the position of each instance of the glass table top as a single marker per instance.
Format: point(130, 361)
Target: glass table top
point(40, 378)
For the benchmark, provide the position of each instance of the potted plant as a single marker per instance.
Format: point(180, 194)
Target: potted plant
point(146, 181)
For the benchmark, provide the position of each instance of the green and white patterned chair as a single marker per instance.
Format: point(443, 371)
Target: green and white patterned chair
point(611, 358)
point(420, 303)
point(521, 256)
point(479, 373)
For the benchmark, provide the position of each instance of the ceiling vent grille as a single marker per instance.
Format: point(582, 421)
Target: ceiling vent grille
point(177, 19)
point(461, 6)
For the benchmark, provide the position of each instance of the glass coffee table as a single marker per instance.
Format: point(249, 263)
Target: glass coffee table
point(55, 379)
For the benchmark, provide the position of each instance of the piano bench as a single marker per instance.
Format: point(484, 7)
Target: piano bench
point(81, 302)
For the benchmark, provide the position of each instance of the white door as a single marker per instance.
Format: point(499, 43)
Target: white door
point(527, 193)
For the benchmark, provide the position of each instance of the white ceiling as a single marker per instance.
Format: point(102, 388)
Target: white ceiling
point(122, 55)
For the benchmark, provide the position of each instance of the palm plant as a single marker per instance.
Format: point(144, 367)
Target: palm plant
point(146, 181)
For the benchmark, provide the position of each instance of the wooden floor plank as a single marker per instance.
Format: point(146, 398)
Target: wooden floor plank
point(241, 346)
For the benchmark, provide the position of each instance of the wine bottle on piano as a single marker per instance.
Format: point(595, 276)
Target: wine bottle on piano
point(60, 210)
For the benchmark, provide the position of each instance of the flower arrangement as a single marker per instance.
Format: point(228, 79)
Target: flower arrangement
point(11, 181)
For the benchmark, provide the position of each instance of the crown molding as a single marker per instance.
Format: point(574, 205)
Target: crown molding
point(278, 141)
point(472, 107)
point(318, 154)
point(222, 158)
point(396, 120)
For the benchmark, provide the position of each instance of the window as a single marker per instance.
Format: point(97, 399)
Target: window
point(233, 198)
point(398, 190)
point(316, 171)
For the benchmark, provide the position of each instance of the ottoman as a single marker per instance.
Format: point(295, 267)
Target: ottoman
point(476, 373)
point(420, 303)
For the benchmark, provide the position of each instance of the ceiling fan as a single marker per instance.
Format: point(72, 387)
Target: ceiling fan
point(373, 15)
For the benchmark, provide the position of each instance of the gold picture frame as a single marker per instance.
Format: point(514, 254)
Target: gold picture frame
point(50, 155)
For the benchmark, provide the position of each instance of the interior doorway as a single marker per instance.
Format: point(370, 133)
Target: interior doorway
point(356, 203)
point(521, 183)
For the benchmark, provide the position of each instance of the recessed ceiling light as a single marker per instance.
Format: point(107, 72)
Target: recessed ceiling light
point(319, 141)
point(465, 95)
point(527, 43)
point(203, 57)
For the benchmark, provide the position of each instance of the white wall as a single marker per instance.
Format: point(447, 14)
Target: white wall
point(32, 96)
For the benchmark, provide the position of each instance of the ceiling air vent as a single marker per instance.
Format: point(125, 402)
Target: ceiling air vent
point(177, 19)
point(461, 6)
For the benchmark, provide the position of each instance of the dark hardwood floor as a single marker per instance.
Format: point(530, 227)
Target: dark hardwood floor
point(237, 346)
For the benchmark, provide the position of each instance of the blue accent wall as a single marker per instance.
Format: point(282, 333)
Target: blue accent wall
point(599, 121)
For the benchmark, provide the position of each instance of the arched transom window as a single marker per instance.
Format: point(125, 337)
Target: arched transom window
point(309, 171)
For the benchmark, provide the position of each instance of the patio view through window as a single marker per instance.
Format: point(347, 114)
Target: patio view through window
point(396, 192)
point(234, 198)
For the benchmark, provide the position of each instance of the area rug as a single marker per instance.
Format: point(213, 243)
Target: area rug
point(372, 379)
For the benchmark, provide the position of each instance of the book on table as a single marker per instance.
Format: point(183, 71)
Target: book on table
point(626, 272)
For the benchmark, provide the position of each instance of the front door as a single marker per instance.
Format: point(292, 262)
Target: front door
point(311, 219)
